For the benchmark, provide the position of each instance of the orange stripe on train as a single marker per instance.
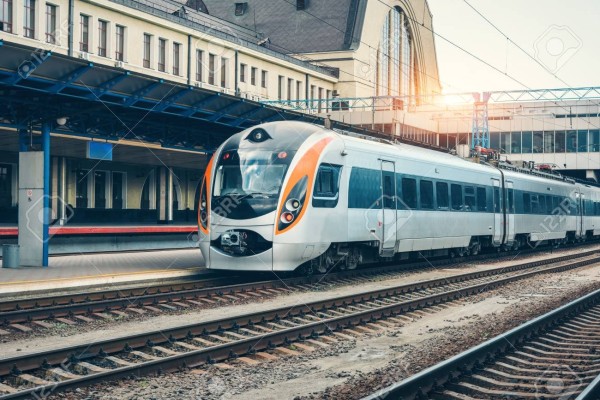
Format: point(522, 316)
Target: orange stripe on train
point(206, 182)
point(307, 166)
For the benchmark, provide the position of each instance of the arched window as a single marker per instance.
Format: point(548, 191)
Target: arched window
point(395, 56)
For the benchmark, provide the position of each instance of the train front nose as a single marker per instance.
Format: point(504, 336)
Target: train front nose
point(241, 249)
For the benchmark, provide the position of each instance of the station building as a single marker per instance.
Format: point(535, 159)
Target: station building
point(110, 109)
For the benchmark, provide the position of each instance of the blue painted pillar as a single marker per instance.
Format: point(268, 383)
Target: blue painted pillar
point(47, 205)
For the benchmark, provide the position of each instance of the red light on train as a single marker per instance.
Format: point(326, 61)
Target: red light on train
point(282, 154)
point(226, 156)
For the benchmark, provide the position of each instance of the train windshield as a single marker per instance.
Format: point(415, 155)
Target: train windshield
point(250, 180)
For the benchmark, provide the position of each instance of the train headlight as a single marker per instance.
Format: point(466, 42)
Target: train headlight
point(293, 203)
point(258, 135)
point(203, 204)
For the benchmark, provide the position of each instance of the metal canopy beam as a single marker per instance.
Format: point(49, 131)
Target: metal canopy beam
point(107, 86)
point(70, 78)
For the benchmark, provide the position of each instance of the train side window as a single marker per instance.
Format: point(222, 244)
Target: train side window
point(535, 204)
point(527, 203)
point(456, 196)
point(511, 201)
point(443, 200)
point(327, 189)
point(389, 198)
point(469, 198)
point(555, 203)
point(497, 204)
point(481, 199)
point(409, 192)
point(426, 195)
point(542, 201)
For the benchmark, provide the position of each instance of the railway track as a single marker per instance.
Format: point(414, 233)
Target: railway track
point(555, 356)
point(24, 315)
point(249, 336)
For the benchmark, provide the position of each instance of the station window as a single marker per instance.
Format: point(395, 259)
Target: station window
point(6, 15)
point(582, 141)
point(426, 195)
point(320, 104)
point(290, 89)
point(29, 19)
point(120, 43)
point(212, 65)
point(298, 90)
point(50, 22)
point(224, 72)
point(199, 65)
point(409, 192)
point(571, 141)
point(443, 200)
point(102, 37)
point(243, 72)
point(280, 85)
point(118, 190)
point(481, 199)
point(81, 188)
point(456, 196)
point(162, 55)
point(5, 185)
point(327, 189)
point(147, 50)
point(313, 90)
point(84, 38)
point(253, 74)
point(470, 198)
point(176, 59)
point(264, 79)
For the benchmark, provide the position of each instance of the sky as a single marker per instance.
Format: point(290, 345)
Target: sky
point(563, 36)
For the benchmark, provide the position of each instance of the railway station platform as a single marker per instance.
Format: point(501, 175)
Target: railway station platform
point(102, 269)
point(88, 238)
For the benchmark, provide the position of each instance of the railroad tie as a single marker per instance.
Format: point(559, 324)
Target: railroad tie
point(59, 373)
point(120, 362)
point(7, 389)
point(186, 345)
point(266, 356)
point(286, 352)
point(27, 379)
point(20, 327)
point(66, 321)
point(144, 356)
point(42, 324)
point(90, 367)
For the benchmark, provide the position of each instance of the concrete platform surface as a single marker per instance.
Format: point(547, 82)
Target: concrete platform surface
point(102, 269)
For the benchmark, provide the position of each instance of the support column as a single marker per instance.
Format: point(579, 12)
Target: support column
point(169, 195)
point(47, 208)
point(34, 202)
point(165, 195)
point(62, 191)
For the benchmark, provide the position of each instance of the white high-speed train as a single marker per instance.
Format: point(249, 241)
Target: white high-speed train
point(284, 195)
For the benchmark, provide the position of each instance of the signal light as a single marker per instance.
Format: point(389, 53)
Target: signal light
point(292, 204)
point(226, 156)
point(282, 154)
point(287, 217)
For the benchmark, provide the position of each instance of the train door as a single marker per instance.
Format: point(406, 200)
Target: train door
point(580, 197)
point(387, 243)
point(498, 224)
point(510, 212)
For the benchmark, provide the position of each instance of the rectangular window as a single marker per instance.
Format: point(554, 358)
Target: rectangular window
point(364, 188)
point(81, 188)
point(162, 55)
point(497, 203)
point(327, 186)
point(456, 196)
point(253, 74)
point(409, 192)
point(526, 203)
point(176, 59)
point(426, 195)
point(29, 19)
point(120, 43)
point(212, 65)
point(243, 68)
point(313, 90)
point(535, 204)
point(470, 198)
point(511, 201)
point(102, 37)
point(298, 90)
point(6, 197)
point(481, 199)
point(443, 200)
point(6, 15)
point(582, 141)
point(50, 23)
point(224, 70)
point(281, 84)
point(571, 141)
point(264, 79)
point(147, 49)
point(199, 65)
point(290, 89)
point(118, 190)
point(84, 37)
point(320, 105)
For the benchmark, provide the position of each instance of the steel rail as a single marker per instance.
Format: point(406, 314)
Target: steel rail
point(65, 306)
point(318, 318)
point(423, 384)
